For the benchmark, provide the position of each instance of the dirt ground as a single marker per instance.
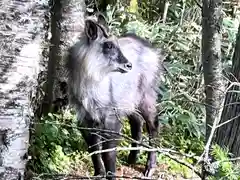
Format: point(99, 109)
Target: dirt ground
point(135, 172)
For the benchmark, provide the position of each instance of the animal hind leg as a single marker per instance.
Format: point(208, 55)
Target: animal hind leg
point(136, 132)
point(149, 113)
point(152, 128)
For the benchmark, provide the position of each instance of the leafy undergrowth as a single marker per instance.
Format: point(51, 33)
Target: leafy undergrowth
point(58, 147)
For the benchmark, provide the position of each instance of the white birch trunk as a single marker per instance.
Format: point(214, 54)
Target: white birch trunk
point(20, 56)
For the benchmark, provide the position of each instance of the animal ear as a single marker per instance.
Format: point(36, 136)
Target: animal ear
point(103, 22)
point(101, 19)
point(91, 30)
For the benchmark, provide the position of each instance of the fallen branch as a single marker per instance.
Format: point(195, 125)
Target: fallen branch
point(149, 150)
point(72, 177)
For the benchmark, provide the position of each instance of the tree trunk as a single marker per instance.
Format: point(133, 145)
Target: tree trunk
point(211, 59)
point(54, 53)
point(228, 135)
point(20, 34)
point(212, 66)
point(67, 19)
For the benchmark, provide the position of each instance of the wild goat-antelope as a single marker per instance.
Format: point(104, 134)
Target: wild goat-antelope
point(110, 78)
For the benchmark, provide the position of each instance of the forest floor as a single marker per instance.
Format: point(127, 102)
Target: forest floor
point(135, 172)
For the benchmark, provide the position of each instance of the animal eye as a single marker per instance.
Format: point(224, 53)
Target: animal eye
point(108, 45)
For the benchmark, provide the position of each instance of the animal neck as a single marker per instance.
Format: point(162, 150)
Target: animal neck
point(94, 78)
point(90, 81)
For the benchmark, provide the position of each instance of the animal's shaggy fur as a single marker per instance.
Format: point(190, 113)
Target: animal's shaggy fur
point(98, 91)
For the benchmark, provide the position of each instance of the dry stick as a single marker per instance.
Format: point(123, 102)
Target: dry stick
point(233, 103)
point(126, 149)
point(198, 4)
point(204, 104)
point(162, 150)
point(68, 176)
point(104, 141)
point(184, 164)
point(218, 126)
point(124, 136)
point(234, 91)
point(99, 130)
point(234, 159)
point(229, 160)
point(165, 11)
point(182, 13)
point(178, 153)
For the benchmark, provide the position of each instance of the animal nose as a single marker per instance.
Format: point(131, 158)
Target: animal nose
point(128, 65)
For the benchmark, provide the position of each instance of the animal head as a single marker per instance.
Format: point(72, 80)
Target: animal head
point(103, 53)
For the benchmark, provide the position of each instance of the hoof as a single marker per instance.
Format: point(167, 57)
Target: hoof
point(100, 175)
point(111, 176)
point(132, 158)
point(149, 171)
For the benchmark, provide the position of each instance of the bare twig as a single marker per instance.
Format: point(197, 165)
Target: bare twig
point(198, 4)
point(165, 11)
point(127, 149)
point(185, 164)
point(234, 159)
point(104, 141)
point(218, 126)
point(129, 139)
point(182, 13)
point(204, 155)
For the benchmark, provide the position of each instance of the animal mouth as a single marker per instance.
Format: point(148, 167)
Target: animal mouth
point(125, 68)
point(121, 70)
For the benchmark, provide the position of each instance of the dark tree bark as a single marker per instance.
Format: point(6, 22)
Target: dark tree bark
point(99, 5)
point(212, 67)
point(228, 135)
point(211, 59)
point(102, 7)
point(54, 53)
point(67, 17)
point(20, 56)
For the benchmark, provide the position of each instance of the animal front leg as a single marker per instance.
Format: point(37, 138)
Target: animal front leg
point(112, 139)
point(136, 132)
point(92, 141)
point(149, 113)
